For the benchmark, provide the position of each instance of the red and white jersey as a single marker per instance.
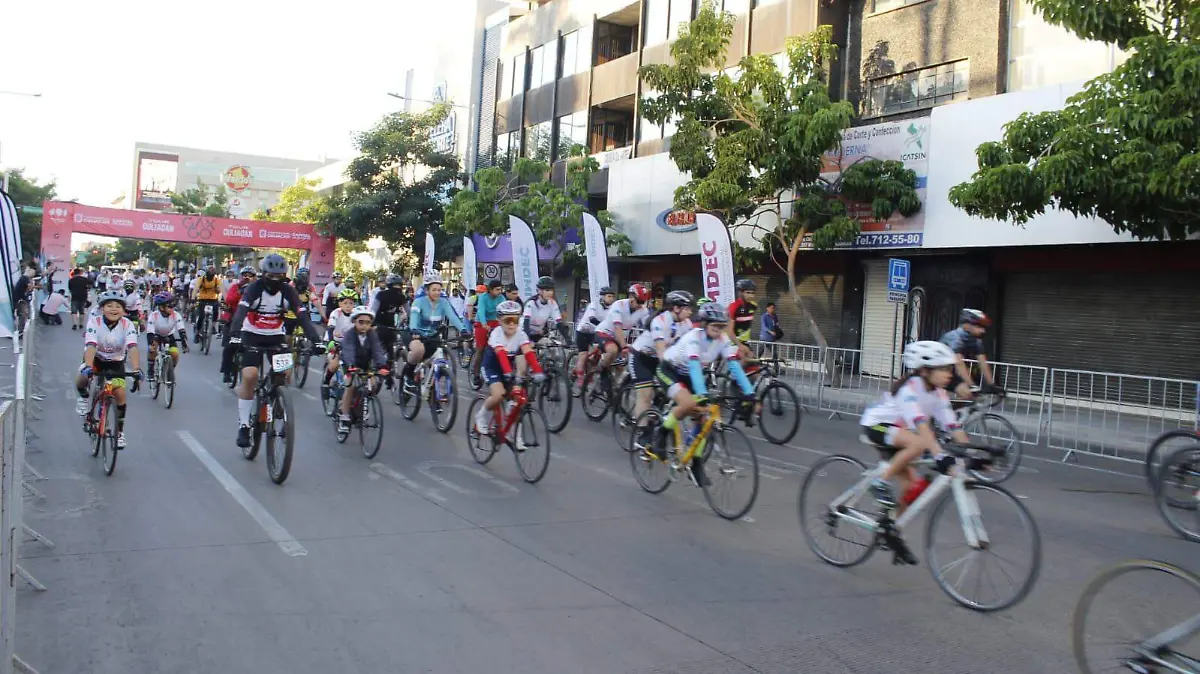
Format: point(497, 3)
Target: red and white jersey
point(512, 345)
point(112, 343)
point(266, 310)
point(696, 345)
point(664, 327)
point(913, 403)
point(623, 314)
point(163, 326)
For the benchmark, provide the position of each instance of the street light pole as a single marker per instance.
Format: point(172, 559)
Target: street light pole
point(21, 93)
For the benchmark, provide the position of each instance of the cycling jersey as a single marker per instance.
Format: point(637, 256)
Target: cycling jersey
point(226, 284)
point(387, 306)
point(511, 345)
point(541, 315)
point(425, 318)
point(112, 343)
point(329, 295)
point(161, 325)
point(963, 343)
point(485, 307)
point(208, 290)
point(305, 300)
point(264, 311)
point(695, 345)
point(592, 316)
point(339, 324)
point(743, 317)
point(912, 404)
point(663, 327)
point(133, 302)
point(623, 314)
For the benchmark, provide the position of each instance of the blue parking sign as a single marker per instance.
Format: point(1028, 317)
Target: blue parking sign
point(899, 275)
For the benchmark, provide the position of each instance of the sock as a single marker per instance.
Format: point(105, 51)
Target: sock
point(482, 417)
point(670, 422)
point(245, 408)
point(120, 418)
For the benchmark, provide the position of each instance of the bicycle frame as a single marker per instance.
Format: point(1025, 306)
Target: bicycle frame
point(714, 413)
point(503, 426)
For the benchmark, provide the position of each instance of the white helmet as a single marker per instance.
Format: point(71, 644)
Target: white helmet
point(927, 354)
point(361, 311)
point(433, 277)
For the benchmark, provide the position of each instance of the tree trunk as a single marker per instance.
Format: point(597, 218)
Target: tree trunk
point(813, 328)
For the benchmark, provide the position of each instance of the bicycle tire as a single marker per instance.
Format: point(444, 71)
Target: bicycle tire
point(1152, 464)
point(555, 386)
point(410, 403)
point(108, 447)
point(792, 399)
point(1181, 514)
point(729, 469)
point(1079, 618)
point(1013, 452)
point(206, 339)
point(622, 415)
point(166, 377)
point(645, 463)
point(236, 369)
point(444, 412)
point(370, 417)
point(594, 397)
point(474, 376)
point(279, 459)
point(302, 363)
point(940, 508)
point(95, 433)
point(809, 513)
point(532, 471)
point(249, 453)
point(576, 383)
point(155, 383)
point(482, 448)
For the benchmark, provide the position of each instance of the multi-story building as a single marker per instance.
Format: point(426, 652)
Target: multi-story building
point(932, 79)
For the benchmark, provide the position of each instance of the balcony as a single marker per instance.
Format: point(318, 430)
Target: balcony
point(615, 79)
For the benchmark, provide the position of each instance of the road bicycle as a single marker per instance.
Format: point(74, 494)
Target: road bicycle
point(624, 403)
point(729, 462)
point(517, 425)
point(1177, 494)
point(600, 387)
point(301, 349)
point(1165, 445)
point(778, 409)
point(100, 423)
point(990, 429)
point(162, 374)
point(577, 372)
point(204, 328)
point(365, 412)
point(272, 417)
point(235, 343)
point(433, 379)
point(553, 394)
point(1135, 593)
point(857, 525)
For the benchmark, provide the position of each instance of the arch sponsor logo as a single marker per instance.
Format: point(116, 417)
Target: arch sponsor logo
point(676, 221)
point(237, 178)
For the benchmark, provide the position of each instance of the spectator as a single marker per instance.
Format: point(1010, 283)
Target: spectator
point(769, 330)
point(458, 302)
point(78, 286)
point(53, 306)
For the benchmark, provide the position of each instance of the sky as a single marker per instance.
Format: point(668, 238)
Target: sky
point(258, 77)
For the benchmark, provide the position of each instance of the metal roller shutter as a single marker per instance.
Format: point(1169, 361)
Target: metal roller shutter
point(879, 322)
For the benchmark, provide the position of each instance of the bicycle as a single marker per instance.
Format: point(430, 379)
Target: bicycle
point(1151, 650)
point(204, 328)
point(776, 400)
point(596, 397)
point(590, 361)
point(991, 429)
point(1158, 449)
point(235, 360)
point(680, 455)
point(623, 406)
point(1177, 495)
point(301, 349)
point(840, 514)
point(272, 416)
point(552, 394)
point(101, 428)
point(514, 424)
point(434, 379)
point(162, 375)
point(365, 412)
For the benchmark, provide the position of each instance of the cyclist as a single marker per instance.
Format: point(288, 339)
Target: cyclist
point(305, 291)
point(329, 296)
point(232, 298)
point(426, 320)
point(900, 420)
point(362, 350)
point(681, 370)
point(133, 303)
point(665, 329)
point(541, 312)
point(259, 317)
point(108, 341)
point(164, 326)
point(486, 319)
point(388, 309)
point(512, 293)
point(622, 316)
point(504, 344)
point(742, 311)
point(585, 329)
point(966, 345)
point(228, 282)
point(336, 327)
point(208, 291)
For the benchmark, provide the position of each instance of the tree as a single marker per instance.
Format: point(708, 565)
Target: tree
point(28, 192)
point(753, 144)
point(198, 201)
point(552, 212)
point(399, 185)
point(1126, 148)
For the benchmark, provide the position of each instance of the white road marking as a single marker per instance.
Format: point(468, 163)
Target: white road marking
point(396, 476)
point(426, 468)
point(269, 524)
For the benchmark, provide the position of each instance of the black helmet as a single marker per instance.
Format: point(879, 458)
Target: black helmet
point(394, 280)
point(273, 264)
point(607, 290)
point(746, 284)
point(679, 298)
point(545, 283)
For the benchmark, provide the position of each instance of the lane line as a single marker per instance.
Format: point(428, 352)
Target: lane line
point(384, 470)
point(269, 524)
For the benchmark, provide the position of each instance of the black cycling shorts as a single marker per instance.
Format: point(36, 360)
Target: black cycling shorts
point(644, 367)
point(583, 340)
point(254, 345)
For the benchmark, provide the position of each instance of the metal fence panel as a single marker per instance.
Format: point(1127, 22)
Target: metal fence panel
point(802, 368)
point(847, 389)
point(1025, 401)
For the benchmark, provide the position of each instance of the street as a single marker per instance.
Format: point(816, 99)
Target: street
point(188, 559)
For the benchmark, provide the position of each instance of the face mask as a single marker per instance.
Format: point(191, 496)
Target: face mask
point(272, 285)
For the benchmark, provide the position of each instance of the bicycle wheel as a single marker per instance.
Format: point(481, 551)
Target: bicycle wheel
point(95, 433)
point(554, 400)
point(302, 360)
point(166, 376)
point(622, 415)
point(594, 397)
point(155, 376)
point(443, 401)
point(1178, 493)
point(370, 426)
point(1164, 445)
point(206, 338)
point(281, 436)
point(851, 529)
point(1106, 636)
point(410, 401)
point(333, 398)
point(108, 437)
point(531, 444)
point(1003, 517)
point(474, 376)
point(237, 369)
point(482, 447)
point(731, 466)
point(651, 472)
point(779, 414)
point(575, 381)
point(997, 432)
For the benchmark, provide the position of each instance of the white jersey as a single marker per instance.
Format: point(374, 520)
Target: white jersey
point(912, 404)
point(111, 343)
point(226, 284)
point(133, 301)
point(163, 326)
point(623, 314)
point(594, 310)
point(541, 315)
point(340, 322)
point(331, 290)
point(663, 327)
point(510, 344)
point(696, 345)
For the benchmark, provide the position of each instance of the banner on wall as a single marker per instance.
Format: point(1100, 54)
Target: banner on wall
point(716, 258)
point(427, 268)
point(469, 263)
point(524, 256)
point(10, 260)
point(597, 256)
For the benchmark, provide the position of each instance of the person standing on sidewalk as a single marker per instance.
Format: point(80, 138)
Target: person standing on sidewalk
point(78, 286)
point(770, 331)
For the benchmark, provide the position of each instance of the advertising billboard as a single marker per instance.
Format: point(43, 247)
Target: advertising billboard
point(157, 174)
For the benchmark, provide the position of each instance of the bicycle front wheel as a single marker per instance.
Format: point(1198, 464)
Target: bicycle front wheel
point(595, 396)
point(731, 466)
point(1163, 446)
point(998, 433)
point(301, 374)
point(622, 415)
point(155, 381)
point(649, 464)
point(166, 376)
point(281, 436)
point(1125, 606)
point(554, 399)
point(370, 426)
point(443, 401)
point(531, 444)
point(206, 339)
point(779, 414)
point(842, 536)
point(108, 437)
point(1178, 492)
point(410, 400)
point(999, 571)
point(483, 449)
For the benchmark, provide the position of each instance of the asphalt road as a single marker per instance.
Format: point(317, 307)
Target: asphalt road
point(188, 559)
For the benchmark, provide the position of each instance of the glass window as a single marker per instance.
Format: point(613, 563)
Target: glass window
point(503, 159)
point(764, 3)
point(537, 141)
point(924, 88)
point(576, 52)
point(610, 129)
point(572, 134)
point(516, 83)
point(613, 41)
point(656, 22)
point(681, 12)
point(536, 58)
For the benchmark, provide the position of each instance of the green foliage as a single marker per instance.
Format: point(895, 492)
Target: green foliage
point(29, 192)
point(298, 202)
point(1126, 148)
point(198, 201)
point(753, 141)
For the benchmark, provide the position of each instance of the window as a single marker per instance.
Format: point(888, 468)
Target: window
point(885, 5)
point(1041, 54)
point(537, 141)
point(613, 41)
point(576, 52)
point(515, 83)
point(652, 131)
point(610, 129)
point(542, 64)
point(681, 12)
point(506, 146)
point(572, 132)
point(656, 22)
point(924, 88)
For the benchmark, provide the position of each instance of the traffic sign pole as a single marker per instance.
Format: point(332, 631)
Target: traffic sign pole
point(899, 282)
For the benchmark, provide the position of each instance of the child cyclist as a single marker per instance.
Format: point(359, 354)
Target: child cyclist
point(682, 370)
point(900, 421)
point(360, 350)
point(339, 324)
point(164, 326)
point(503, 345)
point(108, 341)
point(665, 329)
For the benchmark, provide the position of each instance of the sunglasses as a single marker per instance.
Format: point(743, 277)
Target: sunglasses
point(510, 320)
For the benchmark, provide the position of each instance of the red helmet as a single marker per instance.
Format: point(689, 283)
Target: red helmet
point(639, 292)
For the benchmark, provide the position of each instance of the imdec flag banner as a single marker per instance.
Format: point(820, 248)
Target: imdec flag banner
point(469, 263)
point(427, 268)
point(525, 256)
point(597, 256)
point(716, 258)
